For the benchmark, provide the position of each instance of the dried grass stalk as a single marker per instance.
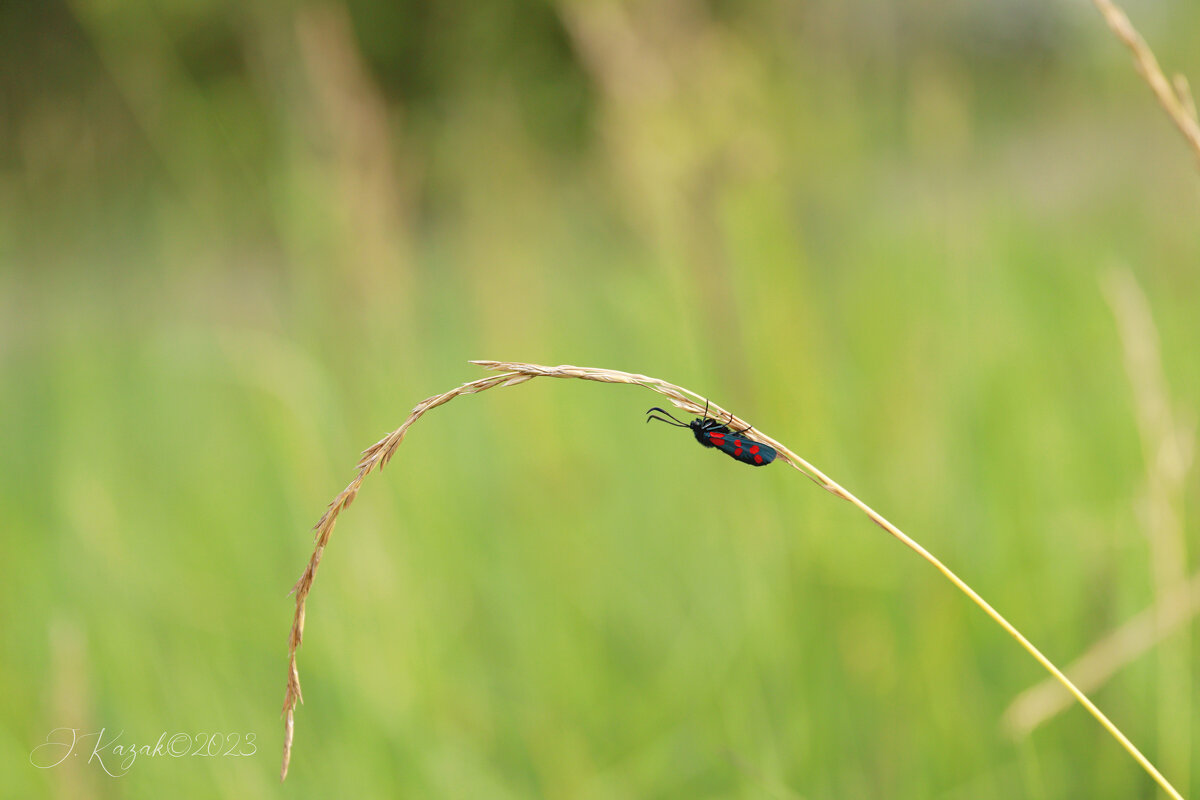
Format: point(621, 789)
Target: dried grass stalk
point(381, 452)
point(1176, 100)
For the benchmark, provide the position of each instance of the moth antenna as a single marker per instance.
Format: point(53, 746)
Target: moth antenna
point(667, 413)
point(669, 422)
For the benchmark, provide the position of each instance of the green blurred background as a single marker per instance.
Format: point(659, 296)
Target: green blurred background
point(238, 242)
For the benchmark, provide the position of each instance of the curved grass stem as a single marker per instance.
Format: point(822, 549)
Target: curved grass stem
point(512, 373)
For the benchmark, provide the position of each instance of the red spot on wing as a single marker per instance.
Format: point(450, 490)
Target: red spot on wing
point(754, 449)
point(757, 458)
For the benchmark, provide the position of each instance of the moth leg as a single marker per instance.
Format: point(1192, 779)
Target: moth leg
point(744, 430)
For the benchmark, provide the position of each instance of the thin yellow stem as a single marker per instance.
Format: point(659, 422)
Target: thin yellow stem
point(836, 488)
point(1011, 630)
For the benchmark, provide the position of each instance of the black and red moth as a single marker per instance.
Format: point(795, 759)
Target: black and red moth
point(711, 433)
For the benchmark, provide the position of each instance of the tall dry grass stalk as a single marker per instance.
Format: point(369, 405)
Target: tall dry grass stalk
point(378, 454)
point(1167, 454)
point(1174, 96)
point(1167, 451)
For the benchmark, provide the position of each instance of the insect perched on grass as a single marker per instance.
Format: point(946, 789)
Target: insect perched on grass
point(711, 433)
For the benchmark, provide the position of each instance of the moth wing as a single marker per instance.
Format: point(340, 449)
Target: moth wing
point(748, 451)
